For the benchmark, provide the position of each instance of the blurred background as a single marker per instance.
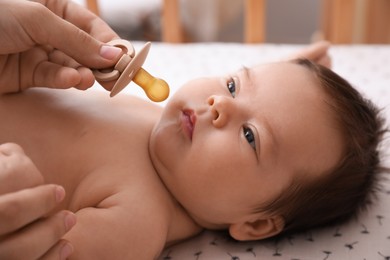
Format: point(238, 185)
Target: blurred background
point(284, 21)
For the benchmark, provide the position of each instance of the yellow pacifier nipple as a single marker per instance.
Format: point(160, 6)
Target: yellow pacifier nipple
point(156, 89)
point(129, 68)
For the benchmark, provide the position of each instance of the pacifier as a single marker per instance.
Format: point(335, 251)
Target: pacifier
point(128, 69)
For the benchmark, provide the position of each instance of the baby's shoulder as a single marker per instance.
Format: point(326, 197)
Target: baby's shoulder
point(127, 207)
point(132, 204)
point(121, 185)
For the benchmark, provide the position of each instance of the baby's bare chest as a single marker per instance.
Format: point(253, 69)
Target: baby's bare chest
point(69, 137)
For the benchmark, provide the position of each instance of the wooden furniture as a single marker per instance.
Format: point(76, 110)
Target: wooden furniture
point(356, 21)
point(173, 32)
point(254, 22)
point(93, 6)
point(343, 21)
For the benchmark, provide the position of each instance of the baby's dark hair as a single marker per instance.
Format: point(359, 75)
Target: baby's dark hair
point(350, 186)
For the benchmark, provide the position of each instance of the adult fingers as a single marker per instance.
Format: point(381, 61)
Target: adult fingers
point(62, 250)
point(37, 238)
point(52, 75)
point(53, 69)
point(20, 208)
point(46, 28)
point(61, 58)
point(81, 17)
point(86, 76)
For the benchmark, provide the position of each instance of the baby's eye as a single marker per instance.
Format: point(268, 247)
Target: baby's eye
point(249, 136)
point(231, 85)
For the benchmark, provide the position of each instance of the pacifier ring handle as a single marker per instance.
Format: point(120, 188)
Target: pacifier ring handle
point(128, 68)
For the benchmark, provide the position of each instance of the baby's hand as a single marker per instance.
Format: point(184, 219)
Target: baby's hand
point(316, 52)
point(17, 171)
point(24, 200)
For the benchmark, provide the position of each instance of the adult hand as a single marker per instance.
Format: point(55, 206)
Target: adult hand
point(24, 200)
point(51, 43)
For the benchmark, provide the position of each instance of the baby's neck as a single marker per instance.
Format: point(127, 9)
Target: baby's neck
point(182, 226)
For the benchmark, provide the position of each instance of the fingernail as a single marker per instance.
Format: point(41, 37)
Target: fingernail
point(110, 52)
point(70, 221)
point(60, 193)
point(66, 251)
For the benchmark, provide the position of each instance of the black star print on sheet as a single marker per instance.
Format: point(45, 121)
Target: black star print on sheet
point(309, 237)
point(197, 255)
point(351, 245)
point(384, 257)
point(250, 250)
point(380, 218)
point(233, 257)
point(364, 231)
point(337, 233)
point(167, 257)
point(327, 254)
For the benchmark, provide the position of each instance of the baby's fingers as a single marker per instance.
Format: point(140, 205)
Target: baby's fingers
point(17, 171)
point(38, 238)
point(20, 208)
point(325, 61)
point(316, 52)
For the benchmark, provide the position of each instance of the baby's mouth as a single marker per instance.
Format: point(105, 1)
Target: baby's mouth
point(188, 122)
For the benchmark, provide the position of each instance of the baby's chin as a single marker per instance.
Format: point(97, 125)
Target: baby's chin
point(158, 148)
point(152, 146)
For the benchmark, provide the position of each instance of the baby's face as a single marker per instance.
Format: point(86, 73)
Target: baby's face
point(223, 146)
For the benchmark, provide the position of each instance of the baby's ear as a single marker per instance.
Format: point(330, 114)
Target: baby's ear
point(257, 229)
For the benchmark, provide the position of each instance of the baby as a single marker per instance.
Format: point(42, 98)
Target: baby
point(268, 150)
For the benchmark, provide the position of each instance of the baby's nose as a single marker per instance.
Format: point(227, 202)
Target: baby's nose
point(220, 108)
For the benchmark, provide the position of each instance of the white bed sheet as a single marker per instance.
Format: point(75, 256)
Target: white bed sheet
point(367, 67)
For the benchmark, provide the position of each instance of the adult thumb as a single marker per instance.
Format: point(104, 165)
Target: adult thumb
point(71, 40)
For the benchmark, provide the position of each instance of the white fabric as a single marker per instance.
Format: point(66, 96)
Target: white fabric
point(366, 67)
